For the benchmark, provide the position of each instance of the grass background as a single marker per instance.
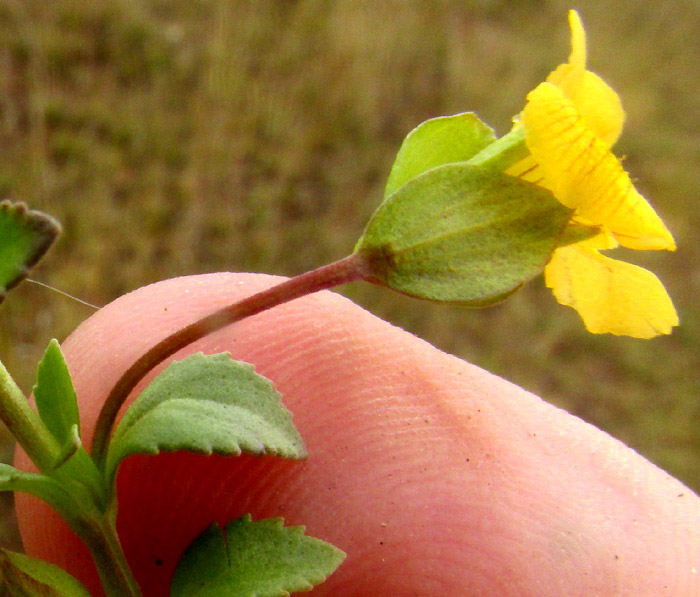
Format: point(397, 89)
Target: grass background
point(175, 137)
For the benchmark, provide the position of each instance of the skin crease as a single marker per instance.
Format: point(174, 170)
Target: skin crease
point(436, 477)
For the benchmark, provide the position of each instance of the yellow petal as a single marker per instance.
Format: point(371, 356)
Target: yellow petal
point(611, 296)
point(577, 58)
point(584, 175)
point(527, 169)
point(599, 242)
point(595, 100)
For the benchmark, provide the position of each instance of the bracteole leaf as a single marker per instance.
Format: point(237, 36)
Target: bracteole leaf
point(464, 234)
point(436, 142)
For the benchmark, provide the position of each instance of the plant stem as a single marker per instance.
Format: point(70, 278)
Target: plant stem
point(26, 425)
point(96, 530)
point(350, 269)
point(101, 538)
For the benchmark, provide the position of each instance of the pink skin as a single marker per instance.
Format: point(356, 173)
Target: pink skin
point(436, 478)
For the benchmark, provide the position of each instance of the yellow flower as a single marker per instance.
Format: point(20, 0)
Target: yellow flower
point(570, 122)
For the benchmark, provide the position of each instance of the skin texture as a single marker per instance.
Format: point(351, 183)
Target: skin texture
point(436, 477)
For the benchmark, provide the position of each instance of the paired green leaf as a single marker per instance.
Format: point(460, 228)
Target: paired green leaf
point(45, 488)
point(28, 577)
point(253, 559)
point(25, 235)
point(464, 234)
point(436, 142)
point(206, 404)
point(55, 396)
point(57, 405)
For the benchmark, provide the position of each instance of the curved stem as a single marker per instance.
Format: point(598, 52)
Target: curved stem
point(350, 269)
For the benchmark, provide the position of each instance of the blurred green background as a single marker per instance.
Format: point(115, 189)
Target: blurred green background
point(175, 137)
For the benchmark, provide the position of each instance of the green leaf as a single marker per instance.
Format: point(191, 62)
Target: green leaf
point(28, 577)
point(76, 495)
point(79, 473)
point(463, 234)
point(25, 235)
point(45, 488)
point(55, 396)
point(206, 404)
point(436, 142)
point(253, 559)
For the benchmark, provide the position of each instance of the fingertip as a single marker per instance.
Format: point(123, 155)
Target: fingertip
point(435, 476)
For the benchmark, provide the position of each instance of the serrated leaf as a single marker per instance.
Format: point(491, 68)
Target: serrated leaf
point(25, 235)
point(253, 559)
point(28, 577)
point(206, 404)
point(436, 142)
point(55, 396)
point(464, 234)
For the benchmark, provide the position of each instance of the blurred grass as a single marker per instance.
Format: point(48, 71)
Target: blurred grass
point(173, 137)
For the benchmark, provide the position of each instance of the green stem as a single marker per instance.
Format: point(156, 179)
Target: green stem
point(101, 538)
point(95, 528)
point(26, 425)
point(349, 269)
